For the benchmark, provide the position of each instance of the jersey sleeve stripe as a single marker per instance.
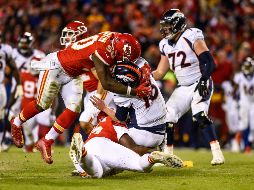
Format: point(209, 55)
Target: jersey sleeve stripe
point(44, 78)
point(98, 55)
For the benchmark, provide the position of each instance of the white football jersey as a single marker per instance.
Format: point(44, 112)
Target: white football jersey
point(5, 54)
point(246, 87)
point(181, 57)
point(150, 116)
point(23, 62)
point(228, 91)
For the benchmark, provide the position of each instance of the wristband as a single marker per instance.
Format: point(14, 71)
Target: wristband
point(128, 93)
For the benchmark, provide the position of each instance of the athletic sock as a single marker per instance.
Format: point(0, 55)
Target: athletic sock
point(63, 121)
point(28, 112)
point(209, 133)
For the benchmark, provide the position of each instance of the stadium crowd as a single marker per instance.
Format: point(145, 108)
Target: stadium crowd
point(228, 27)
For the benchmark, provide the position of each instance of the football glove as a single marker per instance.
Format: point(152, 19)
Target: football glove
point(144, 90)
point(202, 87)
point(146, 72)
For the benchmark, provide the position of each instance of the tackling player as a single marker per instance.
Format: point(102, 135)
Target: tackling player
point(72, 32)
point(184, 51)
point(100, 51)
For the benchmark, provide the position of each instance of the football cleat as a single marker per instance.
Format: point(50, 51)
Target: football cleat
point(169, 160)
point(17, 134)
point(81, 174)
point(75, 152)
point(218, 158)
point(44, 146)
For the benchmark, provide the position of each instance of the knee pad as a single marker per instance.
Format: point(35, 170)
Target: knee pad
point(202, 119)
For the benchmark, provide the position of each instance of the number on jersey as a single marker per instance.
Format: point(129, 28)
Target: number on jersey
point(29, 89)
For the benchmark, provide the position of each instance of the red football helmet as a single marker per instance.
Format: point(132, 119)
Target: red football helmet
point(127, 47)
point(73, 32)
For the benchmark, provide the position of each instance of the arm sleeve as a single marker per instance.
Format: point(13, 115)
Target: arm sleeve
point(207, 64)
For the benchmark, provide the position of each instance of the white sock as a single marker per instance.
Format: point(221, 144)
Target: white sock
point(215, 145)
point(17, 121)
point(144, 163)
point(1, 137)
point(52, 134)
point(7, 134)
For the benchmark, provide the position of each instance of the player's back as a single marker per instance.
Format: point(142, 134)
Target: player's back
point(181, 56)
point(107, 128)
point(76, 58)
point(5, 54)
point(141, 114)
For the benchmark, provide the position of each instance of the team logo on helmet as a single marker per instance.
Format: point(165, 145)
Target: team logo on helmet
point(127, 50)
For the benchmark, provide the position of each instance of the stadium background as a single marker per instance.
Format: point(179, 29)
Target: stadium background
point(228, 28)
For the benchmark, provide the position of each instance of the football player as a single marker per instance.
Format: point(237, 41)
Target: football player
point(103, 153)
point(230, 106)
point(147, 119)
point(7, 69)
point(23, 55)
point(72, 32)
point(100, 51)
point(184, 51)
point(244, 82)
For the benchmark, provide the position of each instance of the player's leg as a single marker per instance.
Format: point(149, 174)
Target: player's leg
point(146, 138)
point(44, 121)
point(178, 104)
point(64, 120)
point(3, 101)
point(27, 129)
point(200, 108)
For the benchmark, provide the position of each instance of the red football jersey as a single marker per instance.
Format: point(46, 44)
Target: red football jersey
point(29, 87)
point(76, 58)
point(90, 82)
point(105, 129)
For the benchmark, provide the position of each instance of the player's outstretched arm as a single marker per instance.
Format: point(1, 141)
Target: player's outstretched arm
point(99, 104)
point(108, 83)
point(162, 68)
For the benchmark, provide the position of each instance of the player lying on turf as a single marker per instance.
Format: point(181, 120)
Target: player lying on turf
point(62, 67)
point(184, 51)
point(146, 123)
point(103, 155)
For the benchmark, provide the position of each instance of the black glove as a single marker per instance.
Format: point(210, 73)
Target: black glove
point(202, 87)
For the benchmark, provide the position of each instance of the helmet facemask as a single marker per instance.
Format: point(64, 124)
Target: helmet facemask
point(248, 68)
point(70, 36)
point(171, 26)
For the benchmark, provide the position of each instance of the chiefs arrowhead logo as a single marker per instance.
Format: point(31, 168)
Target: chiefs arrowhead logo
point(127, 50)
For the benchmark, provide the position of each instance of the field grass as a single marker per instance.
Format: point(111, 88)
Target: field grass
point(20, 170)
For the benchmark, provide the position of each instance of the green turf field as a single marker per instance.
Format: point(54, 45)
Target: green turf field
point(20, 170)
